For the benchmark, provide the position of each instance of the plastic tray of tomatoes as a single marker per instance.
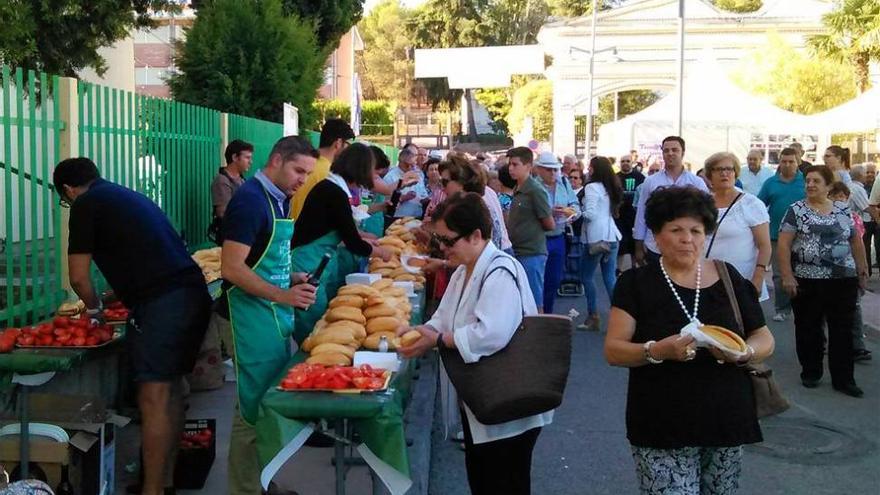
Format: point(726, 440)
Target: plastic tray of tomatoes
point(338, 379)
point(62, 331)
point(116, 313)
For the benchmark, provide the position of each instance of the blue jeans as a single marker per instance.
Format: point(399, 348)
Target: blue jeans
point(608, 263)
point(534, 267)
point(553, 272)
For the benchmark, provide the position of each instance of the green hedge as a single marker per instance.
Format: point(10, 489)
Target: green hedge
point(377, 117)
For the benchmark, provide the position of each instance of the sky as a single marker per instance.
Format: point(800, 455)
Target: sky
point(409, 3)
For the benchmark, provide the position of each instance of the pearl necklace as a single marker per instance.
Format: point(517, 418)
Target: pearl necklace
point(691, 317)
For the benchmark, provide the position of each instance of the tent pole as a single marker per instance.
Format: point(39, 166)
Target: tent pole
point(589, 139)
point(680, 80)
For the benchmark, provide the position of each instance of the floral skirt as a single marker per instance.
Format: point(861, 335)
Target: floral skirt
point(688, 470)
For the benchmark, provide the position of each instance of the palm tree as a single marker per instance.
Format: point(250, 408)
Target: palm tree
point(853, 37)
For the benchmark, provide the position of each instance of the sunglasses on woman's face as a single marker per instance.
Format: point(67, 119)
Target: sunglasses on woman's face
point(446, 241)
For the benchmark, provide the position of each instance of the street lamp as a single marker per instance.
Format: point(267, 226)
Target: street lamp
point(680, 81)
point(614, 58)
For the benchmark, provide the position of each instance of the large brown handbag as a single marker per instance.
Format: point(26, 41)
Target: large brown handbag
point(525, 378)
point(768, 396)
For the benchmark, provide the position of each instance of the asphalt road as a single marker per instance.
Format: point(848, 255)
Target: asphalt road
point(827, 443)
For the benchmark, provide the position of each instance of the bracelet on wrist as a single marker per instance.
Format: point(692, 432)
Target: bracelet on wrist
point(648, 356)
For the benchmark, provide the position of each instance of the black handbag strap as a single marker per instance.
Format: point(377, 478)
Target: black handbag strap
point(724, 275)
point(712, 242)
point(512, 274)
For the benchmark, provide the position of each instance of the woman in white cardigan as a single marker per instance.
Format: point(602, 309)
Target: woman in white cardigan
point(602, 197)
point(481, 309)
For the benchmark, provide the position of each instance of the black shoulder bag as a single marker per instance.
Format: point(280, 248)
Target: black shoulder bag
point(525, 378)
point(768, 396)
point(712, 242)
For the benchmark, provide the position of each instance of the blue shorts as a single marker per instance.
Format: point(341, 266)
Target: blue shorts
point(534, 266)
point(164, 334)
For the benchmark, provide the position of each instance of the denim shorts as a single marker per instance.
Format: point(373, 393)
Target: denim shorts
point(164, 334)
point(534, 266)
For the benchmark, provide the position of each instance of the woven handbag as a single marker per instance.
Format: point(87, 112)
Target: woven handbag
point(768, 396)
point(525, 378)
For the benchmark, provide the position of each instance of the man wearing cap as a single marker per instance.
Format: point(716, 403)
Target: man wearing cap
point(335, 135)
point(529, 217)
point(561, 197)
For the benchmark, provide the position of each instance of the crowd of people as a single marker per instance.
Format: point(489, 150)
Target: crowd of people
point(674, 248)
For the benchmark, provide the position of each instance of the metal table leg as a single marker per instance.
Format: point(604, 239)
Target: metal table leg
point(25, 434)
point(339, 456)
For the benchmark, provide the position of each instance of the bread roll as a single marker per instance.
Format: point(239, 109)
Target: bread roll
point(378, 263)
point(410, 338)
point(382, 284)
point(357, 290)
point(372, 341)
point(417, 262)
point(392, 241)
point(335, 335)
point(725, 337)
point(357, 330)
point(383, 324)
point(385, 272)
point(345, 313)
point(330, 347)
point(330, 359)
point(405, 277)
point(308, 344)
point(379, 310)
point(394, 292)
point(347, 300)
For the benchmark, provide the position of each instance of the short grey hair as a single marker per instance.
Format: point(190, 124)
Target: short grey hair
point(757, 152)
point(570, 157)
point(857, 172)
point(405, 153)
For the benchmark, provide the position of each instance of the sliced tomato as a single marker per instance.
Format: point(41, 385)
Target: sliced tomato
point(79, 341)
point(376, 383)
point(288, 384)
point(362, 382)
point(61, 321)
point(45, 329)
point(92, 340)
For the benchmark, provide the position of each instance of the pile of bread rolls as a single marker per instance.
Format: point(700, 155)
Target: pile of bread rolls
point(399, 241)
point(359, 316)
point(209, 261)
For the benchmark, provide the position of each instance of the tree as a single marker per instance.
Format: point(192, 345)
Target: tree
point(388, 72)
point(853, 37)
point(577, 8)
point(331, 18)
point(514, 22)
point(246, 57)
point(741, 6)
point(794, 81)
point(63, 36)
point(628, 103)
point(535, 100)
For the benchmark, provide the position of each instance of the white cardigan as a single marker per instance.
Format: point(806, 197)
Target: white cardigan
point(483, 322)
point(596, 208)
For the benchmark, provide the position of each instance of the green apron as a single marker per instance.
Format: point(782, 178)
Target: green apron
point(261, 329)
point(306, 259)
point(376, 223)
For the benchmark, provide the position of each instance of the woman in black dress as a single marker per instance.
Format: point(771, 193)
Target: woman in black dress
point(689, 410)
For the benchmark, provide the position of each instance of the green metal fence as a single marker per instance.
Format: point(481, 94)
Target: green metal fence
point(29, 220)
point(260, 133)
point(164, 149)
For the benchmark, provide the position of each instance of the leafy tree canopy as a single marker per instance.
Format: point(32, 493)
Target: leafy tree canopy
point(332, 18)
point(386, 71)
point(853, 37)
point(742, 6)
point(535, 100)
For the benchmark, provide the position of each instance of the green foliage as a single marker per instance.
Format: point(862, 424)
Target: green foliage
point(497, 102)
point(628, 103)
point(577, 8)
point(377, 117)
point(63, 36)
point(386, 74)
point(853, 37)
point(515, 22)
point(740, 6)
point(535, 100)
point(331, 18)
point(246, 57)
point(794, 81)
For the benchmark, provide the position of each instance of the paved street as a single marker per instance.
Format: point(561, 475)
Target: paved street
point(825, 444)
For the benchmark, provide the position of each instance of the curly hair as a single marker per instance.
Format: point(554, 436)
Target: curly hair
point(670, 203)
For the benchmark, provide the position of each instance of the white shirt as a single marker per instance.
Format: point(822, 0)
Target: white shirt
point(734, 240)
point(499, 229)
point(481, 326)
point(752, 182)
point(652, 182)
point(598, 223)
point(858, 200)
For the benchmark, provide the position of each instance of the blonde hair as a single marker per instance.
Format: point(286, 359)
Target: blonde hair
point(716, 158)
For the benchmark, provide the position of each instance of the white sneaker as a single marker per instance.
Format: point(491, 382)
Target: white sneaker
point(779, 317)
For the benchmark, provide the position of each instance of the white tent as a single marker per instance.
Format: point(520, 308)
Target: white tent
point(717, 115)
point(861, 114)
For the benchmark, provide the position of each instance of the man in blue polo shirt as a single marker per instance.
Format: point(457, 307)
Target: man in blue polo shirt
point(778, 193)
point(255, 311)
point(146, 263)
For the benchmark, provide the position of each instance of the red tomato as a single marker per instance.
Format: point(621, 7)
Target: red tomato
point(80, 332)
point(63, 339)
point(61, 321)
point(27, 340)
point(288, 384)
point(45, 329)
point(362, 382)
point(79, 341)
point(92, 341)
point(45, 340)
point(376, 383)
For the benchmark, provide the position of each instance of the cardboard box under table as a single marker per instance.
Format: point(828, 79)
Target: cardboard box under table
point(91, 371)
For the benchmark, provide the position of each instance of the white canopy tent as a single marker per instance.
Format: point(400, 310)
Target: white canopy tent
point(861, 114)
point(718, 116)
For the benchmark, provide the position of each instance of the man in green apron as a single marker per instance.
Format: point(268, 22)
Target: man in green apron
point(260, 292)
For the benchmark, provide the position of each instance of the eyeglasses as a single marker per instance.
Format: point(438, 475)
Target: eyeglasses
point(446, 241)
point(724, 169)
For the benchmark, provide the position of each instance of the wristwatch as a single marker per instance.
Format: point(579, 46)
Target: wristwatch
point(648, 357)
point(766, 268)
